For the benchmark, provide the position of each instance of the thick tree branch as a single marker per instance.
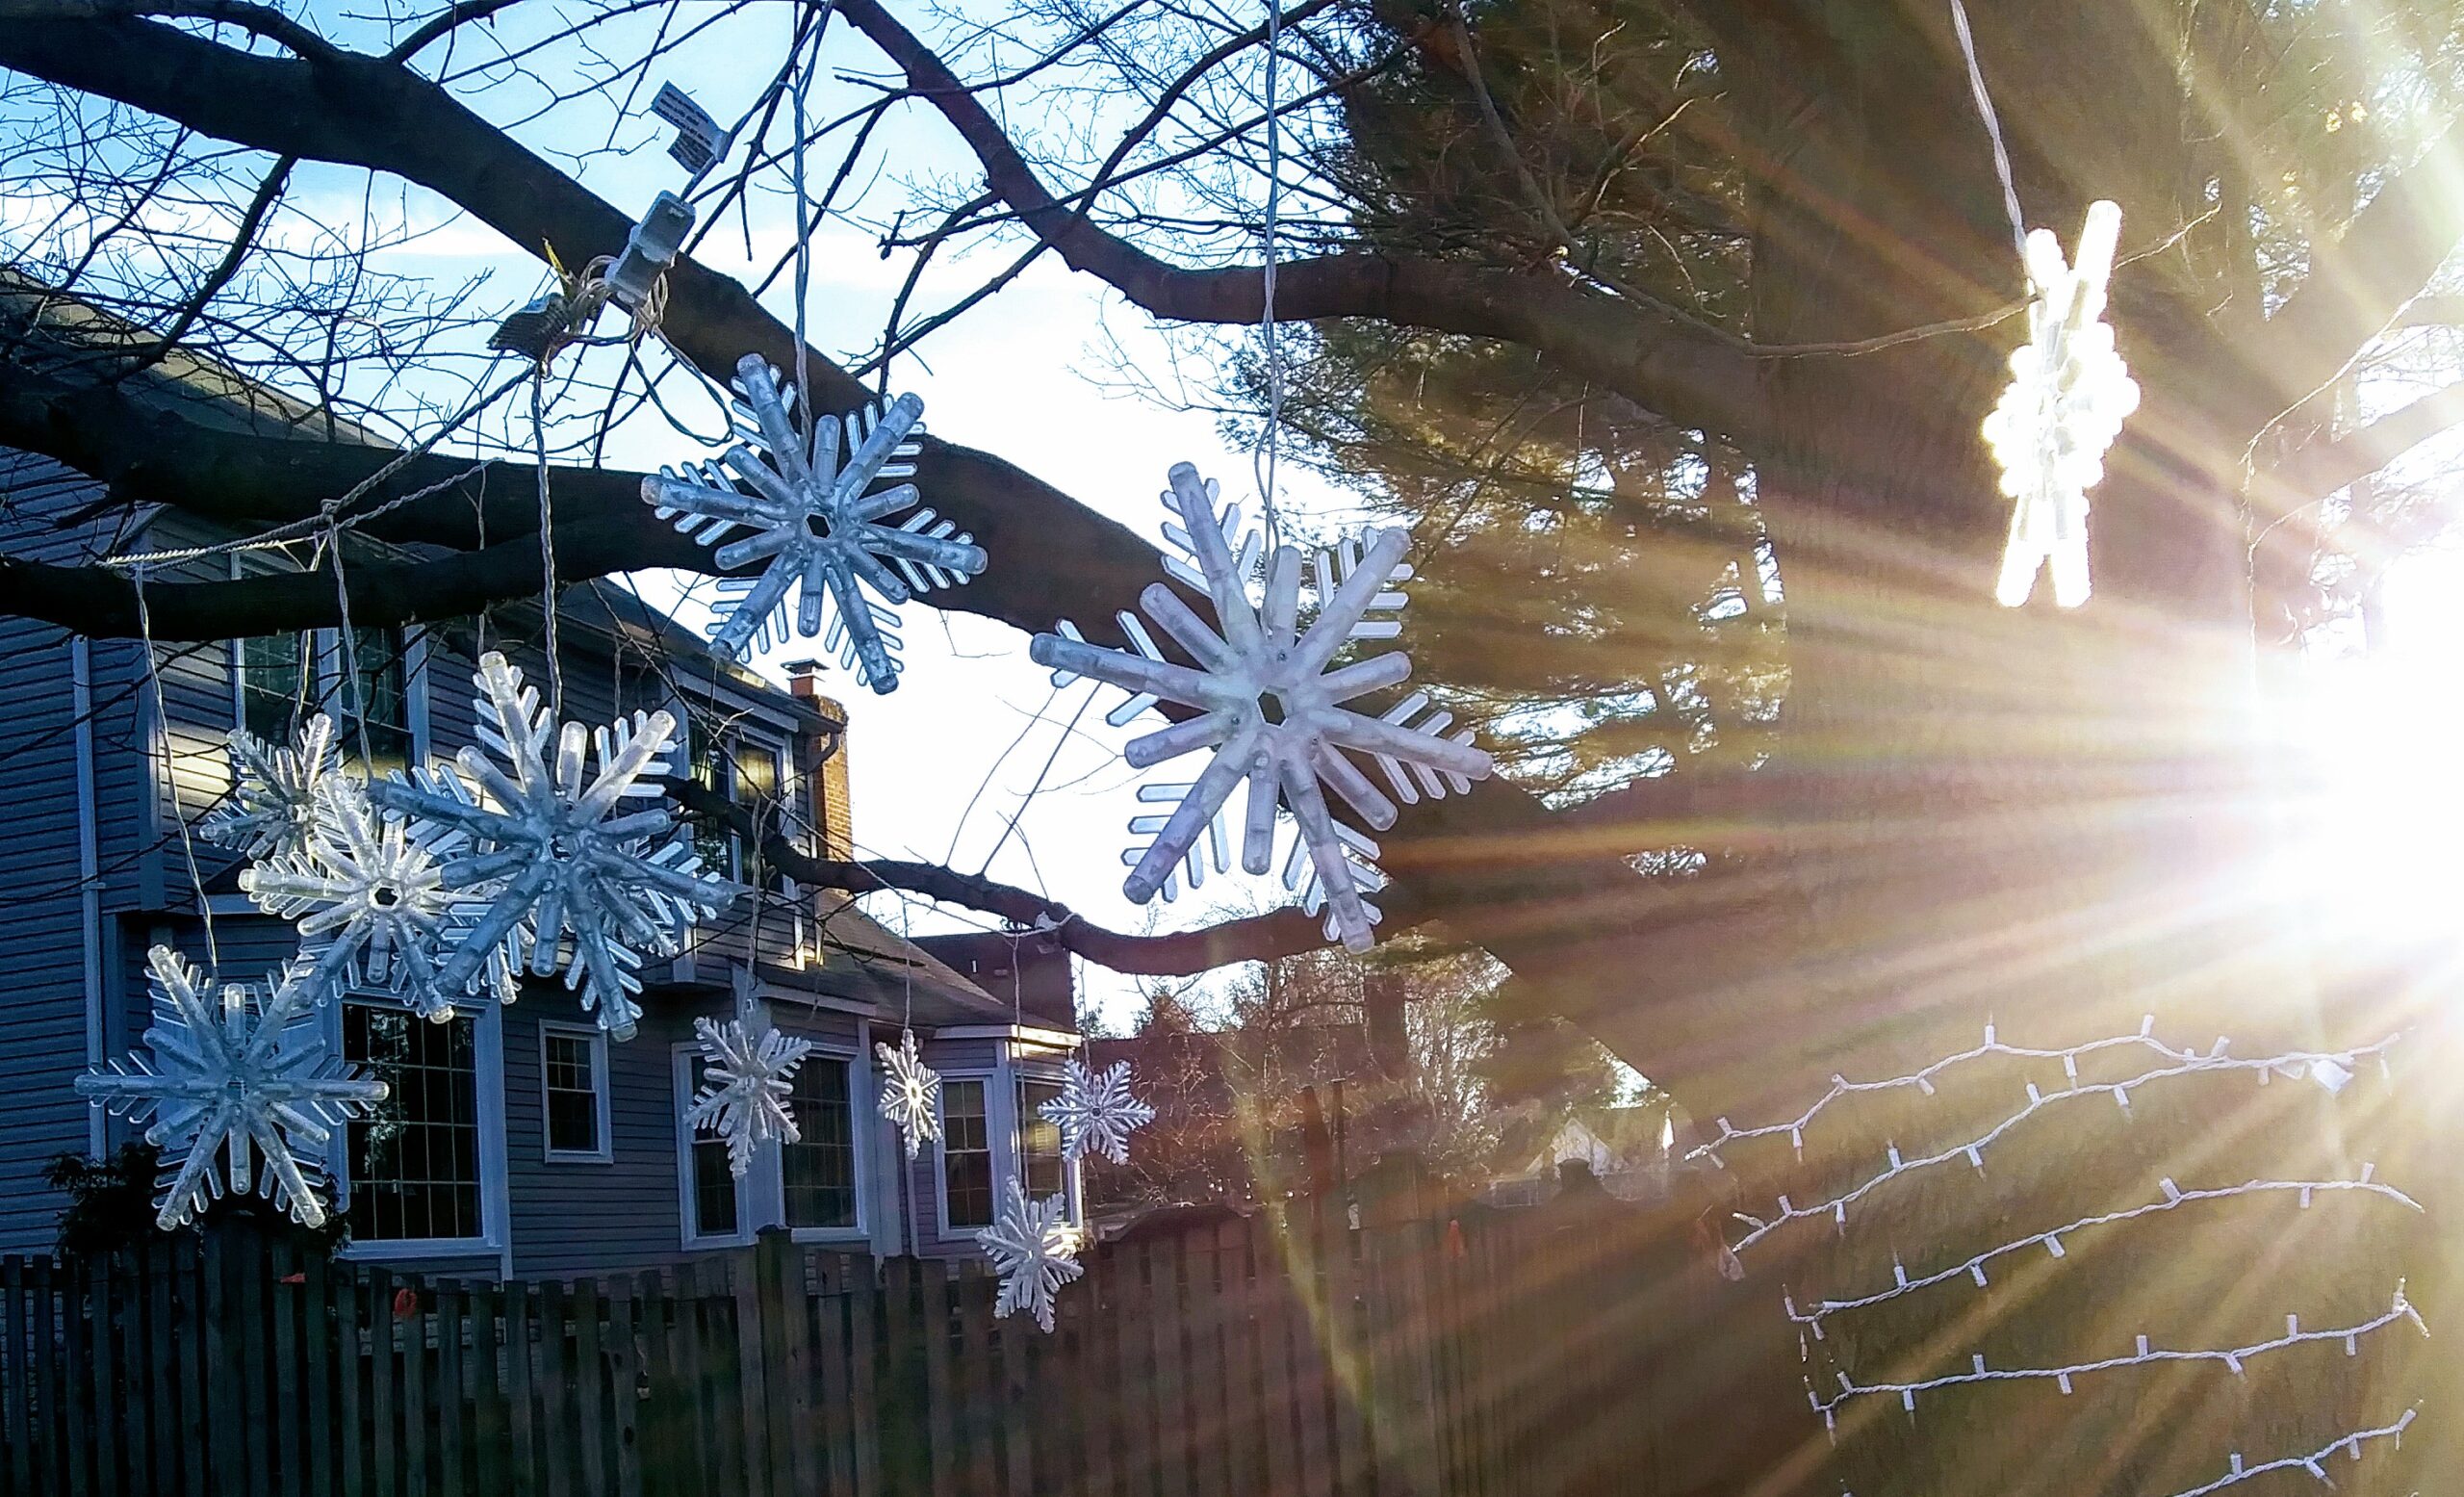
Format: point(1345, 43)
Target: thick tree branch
point(2313, 474)
point(1684, 373)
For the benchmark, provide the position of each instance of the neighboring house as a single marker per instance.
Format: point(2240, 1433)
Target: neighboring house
point(517, 1140)
point(1627, 1148)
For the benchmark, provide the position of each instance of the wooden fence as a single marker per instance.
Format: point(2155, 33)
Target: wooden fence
point(1284, 1355)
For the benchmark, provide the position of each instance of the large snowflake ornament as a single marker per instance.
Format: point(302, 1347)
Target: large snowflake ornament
point(368, 891)
point(910, 1093)
point(1096, 1111)
point(743, 1097)
point(275, 803)
point(556, 874)
point(800, 498)
point(1271, 707)
point(222, 1073)
point(1034, 1249)
point(2069, 393)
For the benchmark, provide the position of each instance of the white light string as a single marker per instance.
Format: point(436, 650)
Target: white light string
point(1271, 443)
point(1992, 127)
point(2050, 1239)
point(2315, 1462)
point(2233, 1358)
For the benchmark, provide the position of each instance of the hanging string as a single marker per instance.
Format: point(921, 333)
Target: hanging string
point(162, 729)
point(1993, 128)
point(1270, 443)
point(355, 703)
point(798, 92)
point(547, 545)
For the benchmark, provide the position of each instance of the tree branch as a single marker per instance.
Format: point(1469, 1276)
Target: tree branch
point(2313, 474)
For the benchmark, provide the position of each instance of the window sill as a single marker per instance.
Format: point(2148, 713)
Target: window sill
point(558, 1157)
point(386, 1250)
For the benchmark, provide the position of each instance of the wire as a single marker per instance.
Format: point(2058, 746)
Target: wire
point(162, 729)
point(547, 546)
point(1993, 128)
point(1271, 440)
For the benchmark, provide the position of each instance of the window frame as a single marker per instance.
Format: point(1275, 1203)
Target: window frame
point(681, 1058)
point(992, 1130)
point(859, 1139)
point(597, 1040)
point(1021, 1078)
point(322, 664)
point(487, 1070)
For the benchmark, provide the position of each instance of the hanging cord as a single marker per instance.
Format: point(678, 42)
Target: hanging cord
point(1269, 442)
point(356, 702)
point(1992, 129)
point(162, 730)
point(547, 545)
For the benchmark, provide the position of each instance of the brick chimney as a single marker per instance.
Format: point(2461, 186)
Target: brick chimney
point(827, 751)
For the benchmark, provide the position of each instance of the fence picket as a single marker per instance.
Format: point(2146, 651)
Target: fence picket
point(488, 1431)
point(452, 1449)
point(587, 1381)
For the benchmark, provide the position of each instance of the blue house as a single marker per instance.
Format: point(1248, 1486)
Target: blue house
point(517, 1140)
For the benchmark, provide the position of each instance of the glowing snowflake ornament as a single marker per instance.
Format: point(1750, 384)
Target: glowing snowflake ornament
point(1269, 707)
point(743, 1097)
point(2069, 393)
point(800, 495)
point(554, 875)
point(1096, 1111)
point(274, 804)
point(910, 1093)
point(1034, 1249)
point(223, 1074)
point(368, 895)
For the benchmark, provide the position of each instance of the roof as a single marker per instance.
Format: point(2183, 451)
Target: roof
point(864, 961)
point(1029, 971)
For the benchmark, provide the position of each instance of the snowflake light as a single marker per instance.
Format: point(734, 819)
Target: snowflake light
point(910, 1093)
point(2069, 393)
point(743, 1099)
point(368, 895)
point(274, 804)
point(554, 875)
point(799, 496)
point(1034, 1249)
point(1096, 1111)
point(1271, 708)
point(221, 1073)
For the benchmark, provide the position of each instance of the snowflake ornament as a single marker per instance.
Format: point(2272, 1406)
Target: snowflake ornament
point(224, 1073)
point(1096, 1111)
point(1034, 1249)
point(368, 891)
point(274, 806)
point(799, 495)
point(1271, 710)
point(555, 874)
point(910, 1093)
point(743, 1099)
point(2069, 393)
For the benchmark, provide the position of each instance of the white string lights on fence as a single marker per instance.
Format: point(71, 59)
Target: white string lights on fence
point(2174, 1198)
point(1034, 1247)
point(751, 1076)
point(2233, 1358)
point(558, 874)
point(803, 496)
point(223, 1072)
point(1096, 1111)
point(1272, 710)
point(2315, 1463)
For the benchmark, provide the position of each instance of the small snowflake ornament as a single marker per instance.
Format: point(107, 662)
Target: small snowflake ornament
point(557, 873)
point(1034, 1249)
point(369, 897)
point(910, 1093)
point(1271, 705)
point(224, 1073)
point(2069, 393)
point(1096, 1111)
point(743, 1097)
point(800, 496)
point(274, 804)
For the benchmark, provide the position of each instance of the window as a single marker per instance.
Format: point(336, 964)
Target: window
point(573, 1075)
point(747, 771)
point(819, 1171)
point(382, 699)
point(966, 1156)
point(273, 682)
point(713, 1208)
point(414, 1163)
point(1041, 1169)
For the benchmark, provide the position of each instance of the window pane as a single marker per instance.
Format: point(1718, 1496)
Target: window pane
point(712, 842)
point(271, 683)
point(966, 1154)
point(415, 1162)
point(756, 785)
point(383, 700)
point(820, 1169)
point(1039, 1140)
point(572, 1087)
point(714, 1202)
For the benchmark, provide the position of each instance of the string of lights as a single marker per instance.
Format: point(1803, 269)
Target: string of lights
point(2315, 1463)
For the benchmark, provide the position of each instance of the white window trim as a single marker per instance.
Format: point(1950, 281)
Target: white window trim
point(941, 1227)
point(680, 1057)
point(859, 1113)
point(597, 1038)
point(487, 1046)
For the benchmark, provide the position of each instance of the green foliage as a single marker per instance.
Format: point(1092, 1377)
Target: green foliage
point(111, 1207)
